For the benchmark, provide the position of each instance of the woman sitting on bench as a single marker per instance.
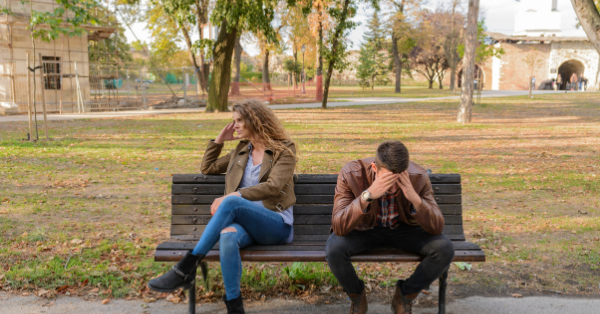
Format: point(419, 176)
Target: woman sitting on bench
point(258, 202)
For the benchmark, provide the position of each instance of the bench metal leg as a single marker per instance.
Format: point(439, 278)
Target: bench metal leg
point(192, 298)
point(204, 269)
point(442, 292)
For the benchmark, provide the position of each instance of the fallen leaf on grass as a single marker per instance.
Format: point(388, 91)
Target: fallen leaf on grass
point(3, 212)
point(149, 299)
point(76, 241)
point(42, 292)
point(516, 295)
point(61, 289)
point(105, 301)
point(173, 298)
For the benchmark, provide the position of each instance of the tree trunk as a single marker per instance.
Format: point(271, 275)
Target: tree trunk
point(294, 82)
point(197, 70)
point(466, 97)
point(440, 81)
point(237, 59)
point(319, 65)
point(201, 17)
point(221, 73)
point(452, 61)
point(397, 64)
point(334, 48)
point(265, 71)
point(589, 17)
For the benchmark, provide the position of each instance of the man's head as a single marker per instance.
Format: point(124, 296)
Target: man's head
point(391, 156)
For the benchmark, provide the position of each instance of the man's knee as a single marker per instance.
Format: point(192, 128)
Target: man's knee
point(335, 250)
point(441, 250)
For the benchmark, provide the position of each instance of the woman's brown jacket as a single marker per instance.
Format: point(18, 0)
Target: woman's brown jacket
point(276, 179)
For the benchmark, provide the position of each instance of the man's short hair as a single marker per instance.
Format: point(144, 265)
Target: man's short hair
point(393, 156)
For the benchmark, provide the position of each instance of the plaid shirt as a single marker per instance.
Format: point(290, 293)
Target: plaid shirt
point(388, 212)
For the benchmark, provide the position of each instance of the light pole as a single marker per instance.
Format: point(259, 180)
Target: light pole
point(303, 77)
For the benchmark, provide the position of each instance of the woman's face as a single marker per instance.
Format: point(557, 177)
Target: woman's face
point(238, 126)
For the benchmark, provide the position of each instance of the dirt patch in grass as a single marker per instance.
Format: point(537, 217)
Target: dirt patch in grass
point(82, 214)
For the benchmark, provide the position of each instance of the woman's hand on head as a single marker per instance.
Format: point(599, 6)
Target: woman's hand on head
point(226, 134)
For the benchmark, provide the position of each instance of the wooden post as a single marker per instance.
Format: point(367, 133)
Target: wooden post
point(42, 85)
point(29, 100)
point(184, 78)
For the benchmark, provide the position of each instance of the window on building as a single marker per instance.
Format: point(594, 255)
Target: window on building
point(52, 75)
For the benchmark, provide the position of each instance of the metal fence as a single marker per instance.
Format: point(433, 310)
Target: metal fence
point(78, 87)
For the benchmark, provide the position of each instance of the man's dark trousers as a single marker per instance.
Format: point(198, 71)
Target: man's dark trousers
point(438, 252)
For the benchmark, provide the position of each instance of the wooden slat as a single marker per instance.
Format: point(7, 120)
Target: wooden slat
point(297, 245)
point(202, 178)
point(198, 189)
point(439, 189)
point(298, 230)
point(298, 219)
point(447, 209)
point(302, 178)
point(300, 199)
point(318, 256)
point(208, 199)
point(299, 189)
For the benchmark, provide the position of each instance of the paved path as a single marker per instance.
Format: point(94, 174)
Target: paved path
point(10, 304)
point(346, 102)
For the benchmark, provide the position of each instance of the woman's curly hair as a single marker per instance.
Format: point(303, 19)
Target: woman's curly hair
point(264, 125)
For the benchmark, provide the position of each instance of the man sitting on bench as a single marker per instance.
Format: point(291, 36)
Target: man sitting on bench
point(386, 200)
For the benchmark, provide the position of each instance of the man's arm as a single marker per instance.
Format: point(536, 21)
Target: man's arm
point(426, 210)
point(348, 210)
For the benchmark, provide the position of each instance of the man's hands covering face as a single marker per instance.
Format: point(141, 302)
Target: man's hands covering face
point(409, 190)
point(382, 184)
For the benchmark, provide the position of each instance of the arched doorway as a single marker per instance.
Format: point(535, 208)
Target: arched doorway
point(478, 73)
point(567, 69)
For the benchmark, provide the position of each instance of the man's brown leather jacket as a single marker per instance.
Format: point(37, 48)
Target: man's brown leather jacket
point(357, 176)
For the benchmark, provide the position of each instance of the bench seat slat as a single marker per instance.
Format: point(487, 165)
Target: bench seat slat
point(300, 199)
point(304, 237)
point(294, 246)
point(319, 256)
point(298, 219)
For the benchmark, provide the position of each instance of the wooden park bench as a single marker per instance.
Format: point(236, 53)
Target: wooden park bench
point(194, 193)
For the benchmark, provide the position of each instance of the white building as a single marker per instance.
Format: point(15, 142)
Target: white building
point(538, 18)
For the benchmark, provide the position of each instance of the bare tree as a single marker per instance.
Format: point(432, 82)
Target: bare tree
point(397, 60)
point(452, 41)
point(532, 61)
point(589, 18)
point(466, 97)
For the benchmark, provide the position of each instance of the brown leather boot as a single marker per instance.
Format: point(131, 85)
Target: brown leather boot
point(359, 302)
point(402, 304)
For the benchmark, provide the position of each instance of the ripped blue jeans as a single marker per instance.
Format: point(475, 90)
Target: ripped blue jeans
point(253, 224)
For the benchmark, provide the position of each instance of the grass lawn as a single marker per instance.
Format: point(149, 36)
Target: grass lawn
point(81, 214)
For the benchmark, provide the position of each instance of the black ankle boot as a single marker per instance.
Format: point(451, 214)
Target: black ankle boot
point(181, 275)
point(234, 306)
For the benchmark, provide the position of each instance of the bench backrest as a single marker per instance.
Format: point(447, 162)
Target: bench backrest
point(194, 193)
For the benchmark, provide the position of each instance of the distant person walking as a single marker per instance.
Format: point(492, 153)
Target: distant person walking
point(574, 82)
point(558, 82)
point(581, 79)
point(585, 83)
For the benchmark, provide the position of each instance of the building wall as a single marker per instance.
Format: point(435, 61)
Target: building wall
point(581, 51)
point(515, 73)
point(72, 51)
